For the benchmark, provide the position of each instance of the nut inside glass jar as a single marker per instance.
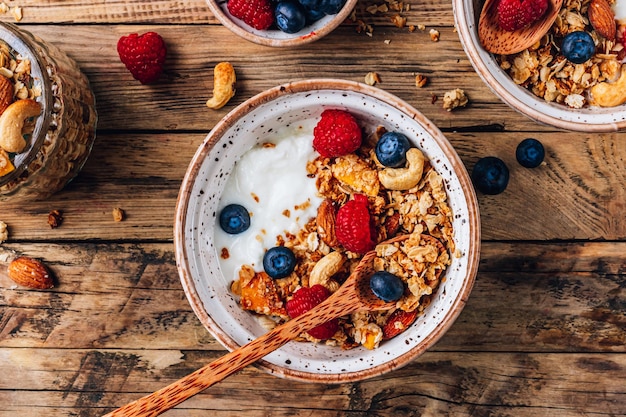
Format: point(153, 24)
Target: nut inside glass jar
point(59, 138)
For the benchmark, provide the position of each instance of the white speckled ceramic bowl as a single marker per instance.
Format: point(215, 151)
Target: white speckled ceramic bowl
point(466, 13)
point(275, 37)
point(253, 122)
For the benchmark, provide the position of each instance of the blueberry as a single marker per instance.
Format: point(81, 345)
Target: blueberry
point(311, 4)
point(386, 286)
point(279, 262)
point(313, 16)
point(290, 16)
point(234, 219)
point(391, 149)
point(490, 175)
point(578, 47)
point(530, 153)
point(331, 6)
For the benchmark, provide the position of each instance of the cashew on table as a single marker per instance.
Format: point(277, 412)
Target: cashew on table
point(224, 81)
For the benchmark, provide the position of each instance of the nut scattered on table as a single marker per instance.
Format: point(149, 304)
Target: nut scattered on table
point(31, 273)
point(4, 232)
point(434, 35)
point(420, 80)
point(224, 83)
point(118, 214)
point(55, 218)
point(454, 99)
point(371, 78)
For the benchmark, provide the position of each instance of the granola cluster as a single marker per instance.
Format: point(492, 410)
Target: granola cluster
point(544, 71)
point(421, 211)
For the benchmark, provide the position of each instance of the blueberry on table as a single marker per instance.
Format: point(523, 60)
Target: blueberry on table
point(386, 286)
point(290, 16)
point(490, 175)
point(578, 47)
point(530, 153)
point(391, 149)
point(234, 219)
point(279, 262)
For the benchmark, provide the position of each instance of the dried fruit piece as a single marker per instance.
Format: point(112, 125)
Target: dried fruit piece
point(398, 322)
point(6, 165)
point(118, 214)
point(31, 273)
point(6, 93)
point(602, 18)
point(260, 294)
point(55, 218)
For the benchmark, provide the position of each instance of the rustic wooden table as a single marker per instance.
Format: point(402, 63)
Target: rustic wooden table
point(543, 333)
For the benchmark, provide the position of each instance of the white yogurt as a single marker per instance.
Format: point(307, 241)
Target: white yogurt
point(619, 7)
point(272, 183)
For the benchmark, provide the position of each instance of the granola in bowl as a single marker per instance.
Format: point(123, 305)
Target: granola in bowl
point(546, 72)
point(218, 280)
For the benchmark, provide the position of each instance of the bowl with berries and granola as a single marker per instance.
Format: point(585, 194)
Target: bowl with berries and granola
point(572, 78)
point(287, 194)
point(281, 23)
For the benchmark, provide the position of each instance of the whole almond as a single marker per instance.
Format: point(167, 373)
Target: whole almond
point(6, 93)
point(326, 223)
point(602, 18)
point(31, 273)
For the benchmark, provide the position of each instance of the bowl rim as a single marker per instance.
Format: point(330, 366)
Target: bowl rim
point(226, 20)
point(473, 251)
point(468, 36)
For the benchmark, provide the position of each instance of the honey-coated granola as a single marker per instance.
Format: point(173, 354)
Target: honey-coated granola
point(544, 71)
point(420, 260)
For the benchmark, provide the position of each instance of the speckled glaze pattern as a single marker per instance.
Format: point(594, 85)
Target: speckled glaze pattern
point(466, 15)
point(276, 37)
point(251, 123)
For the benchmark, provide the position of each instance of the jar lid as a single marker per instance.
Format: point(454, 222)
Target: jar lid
point(26, 46)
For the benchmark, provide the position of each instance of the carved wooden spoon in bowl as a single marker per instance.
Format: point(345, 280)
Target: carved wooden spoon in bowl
point(499, 41)
point(353, 295)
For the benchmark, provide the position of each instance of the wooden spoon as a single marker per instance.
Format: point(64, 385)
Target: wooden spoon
point(499, 41)
point(353, 295)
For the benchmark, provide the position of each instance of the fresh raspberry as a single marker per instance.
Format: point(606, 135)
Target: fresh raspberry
point(143, 55)
point(517, 14)
point(304, 300)
point(256, 13)
point(336, 134)
point(354, 227)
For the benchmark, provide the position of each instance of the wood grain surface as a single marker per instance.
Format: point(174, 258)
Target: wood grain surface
point(543, 332)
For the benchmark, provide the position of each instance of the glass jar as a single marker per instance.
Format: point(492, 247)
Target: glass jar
point(59, 140)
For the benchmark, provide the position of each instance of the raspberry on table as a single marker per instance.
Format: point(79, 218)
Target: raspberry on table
point(256, 13)
point(354, 227)
point(144, 55)
point(304, 300)
point(336, 134)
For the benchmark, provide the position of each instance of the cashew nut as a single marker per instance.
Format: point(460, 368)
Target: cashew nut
point(404, 178)
point(224, 80)
point(607, 94)
point(12, 122)
point(325, 268)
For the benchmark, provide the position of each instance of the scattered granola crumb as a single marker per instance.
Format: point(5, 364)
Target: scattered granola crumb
point(434, 35)
point(371, 78)
point(4, 232)
point(4, 8)
point(433, 98)
point(387, 41)
point(454, 99)
point(398, 21)
point(421, 27)
point(17, 13)
point(420, 80)
point(118, 214)
point(55, 218)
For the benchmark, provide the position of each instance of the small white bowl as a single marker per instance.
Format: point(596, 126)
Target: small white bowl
point(275, 37)
point(253, 122)
point(588, 119)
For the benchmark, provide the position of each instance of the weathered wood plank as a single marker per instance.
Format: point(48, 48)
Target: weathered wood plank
point(196, 11)
point(177, 101)
point(577, 194)
point(527, 297)
point(70, 382)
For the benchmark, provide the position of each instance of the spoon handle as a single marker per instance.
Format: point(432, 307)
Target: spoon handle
point(188, 386)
